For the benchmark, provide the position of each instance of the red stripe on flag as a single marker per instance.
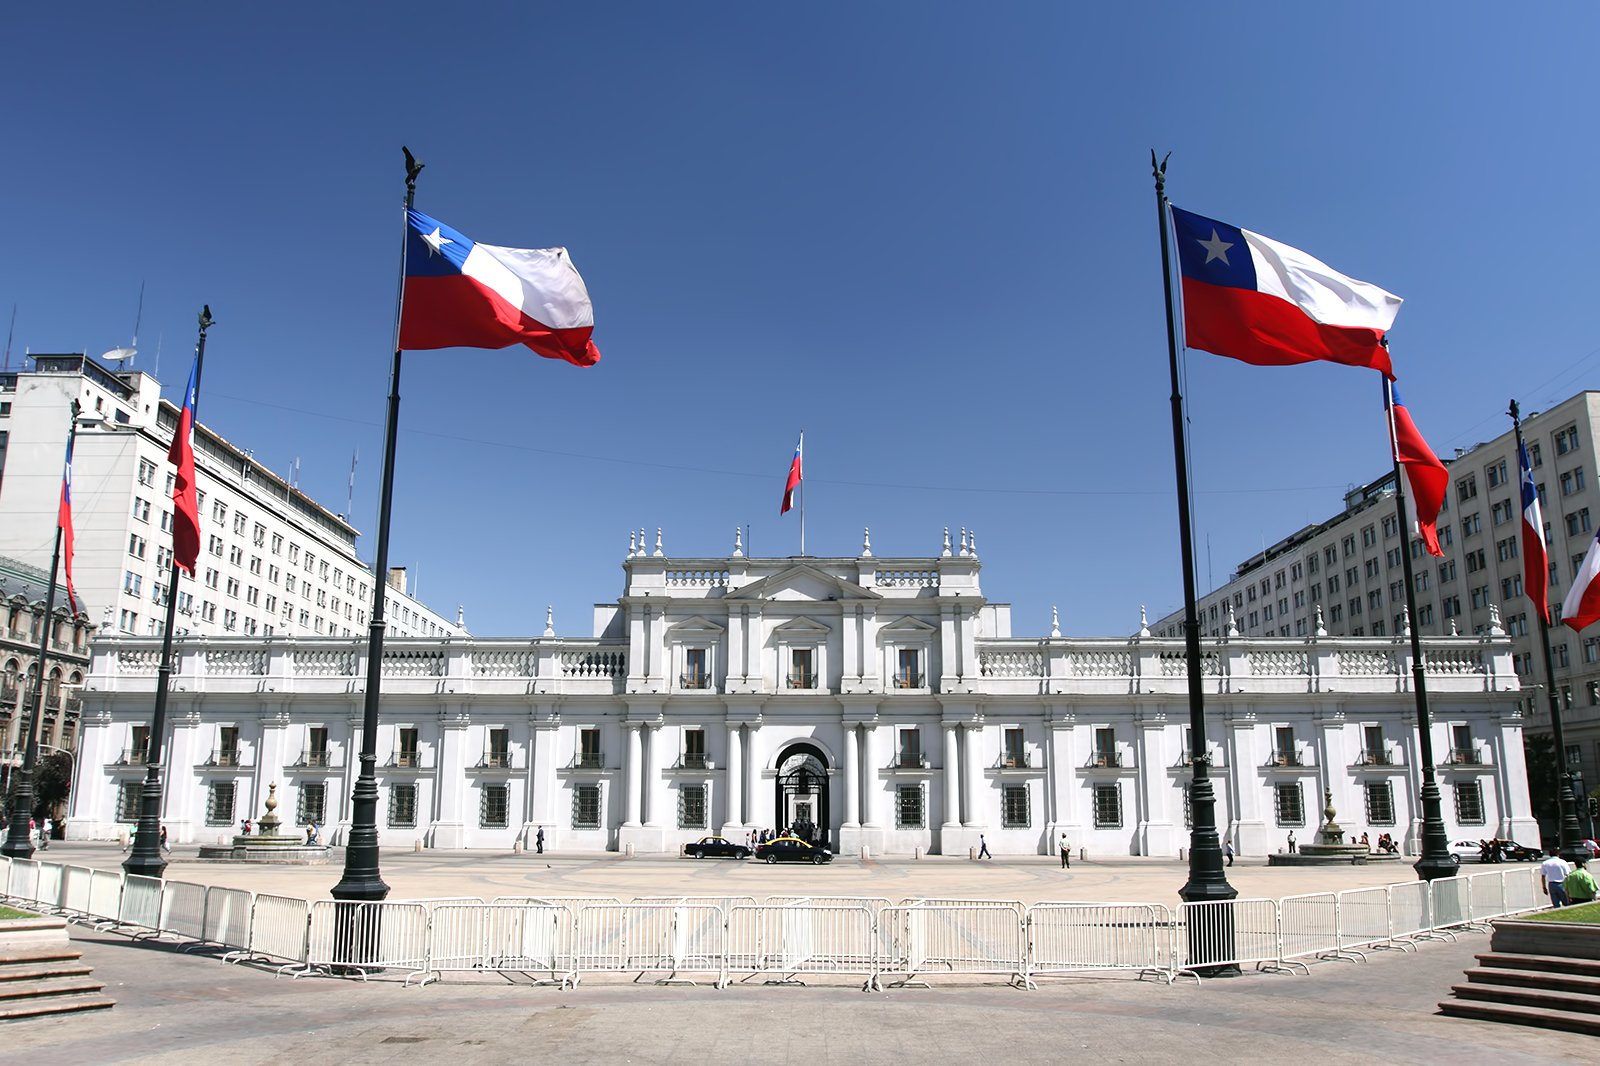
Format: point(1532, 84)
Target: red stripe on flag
point(455, 311)
point(1265, 330)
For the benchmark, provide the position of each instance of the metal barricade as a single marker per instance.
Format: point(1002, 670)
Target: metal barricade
point(22, 884)
point(183, 910)
point(1308, 926)
point(1450, 902)
point(875, 904)
point(105, 895)
point(794, 938)
point(521, 938)
point(227, 920)
point(76, 882)
point(141, 904)
point(356, 938)
point(47, 890)
point(1411, 911)
point(1072, 938)
point(1487, 895)
point(973, 938)
point(279, 927)
point(1524, 890)
point(648, 938)
point(1364, 919)
point(724, 904)
point(1227, 933)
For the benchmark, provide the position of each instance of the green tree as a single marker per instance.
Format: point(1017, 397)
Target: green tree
point(52, 782)
point(1539, 752)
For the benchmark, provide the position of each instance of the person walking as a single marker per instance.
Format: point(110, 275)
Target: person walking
point(1228, 850)
point(983, 848)
point(1580, 884)
point(538, 841)
point(1066, 853)
point(44, 833)
point(1554, 872)
point(164, 845)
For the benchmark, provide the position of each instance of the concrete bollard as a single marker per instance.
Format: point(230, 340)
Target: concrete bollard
point(917, 853)
point(627, 851)
point(416, 845)
point(516, 847)
point(1183, 853)
point(972, 854)
point(866, 852)
point(1083, 853)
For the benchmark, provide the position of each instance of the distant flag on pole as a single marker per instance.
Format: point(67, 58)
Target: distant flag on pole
point(1425, 474)
point(1251, 298)
point(1535, 557)
point(1582, 606)
point(185, 501)
point(794, 476)
point(64, 521)
point(462, 294)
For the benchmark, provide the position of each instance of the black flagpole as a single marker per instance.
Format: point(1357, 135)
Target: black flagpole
point(1569, 831)
point(1435, 860)
point(19, 841)
point(1208, 881)
point(362, 881)
point(145, 856)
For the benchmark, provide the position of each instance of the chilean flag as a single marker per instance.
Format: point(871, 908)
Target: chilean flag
point(1582, 606)
point(1536, 579)
point(185, 501)
point(64, 523)
point(1251, 298)
point(1424, 472)
point(794, 477)
point(462, 294)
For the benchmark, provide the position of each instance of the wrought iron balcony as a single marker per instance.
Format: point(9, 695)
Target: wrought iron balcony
point(8, 693)
point(1012, 760)
point(224, 757)
point(694, 681)
point(798, 680)
point(910, 760)
point(1464, 757)
point(310, 758)
point(1285, 758)
point(407, 760)
point(496, 760)
point(588, 760)
point(134, 757)
point(1375, 757)
point(694, 760)
point(908, 680)
point(1105, 760)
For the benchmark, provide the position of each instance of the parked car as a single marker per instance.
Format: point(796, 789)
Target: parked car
point(792, 849)
point(1466, 850)
point(716, 848)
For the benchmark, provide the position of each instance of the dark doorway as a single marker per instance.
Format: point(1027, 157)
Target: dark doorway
point(802, 796)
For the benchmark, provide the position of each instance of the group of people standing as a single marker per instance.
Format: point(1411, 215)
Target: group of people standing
point(1568, 882)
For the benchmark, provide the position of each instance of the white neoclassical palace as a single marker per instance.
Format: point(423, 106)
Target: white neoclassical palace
point(878, 702)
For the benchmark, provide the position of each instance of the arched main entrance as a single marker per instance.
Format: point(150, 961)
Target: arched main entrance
point(802, 792)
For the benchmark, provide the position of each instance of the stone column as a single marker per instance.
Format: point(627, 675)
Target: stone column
point(651, 736)
point(733, 783)
point(872, 810)
point(852, 778)
point(952, 778)
point(630, 776)
point(1250, 792)
point(450, 780)
point(974, 806)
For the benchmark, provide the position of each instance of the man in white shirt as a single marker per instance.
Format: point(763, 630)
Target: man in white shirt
point(1554, 870)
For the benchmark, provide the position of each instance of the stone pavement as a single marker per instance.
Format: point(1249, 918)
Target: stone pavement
point(180, 1008)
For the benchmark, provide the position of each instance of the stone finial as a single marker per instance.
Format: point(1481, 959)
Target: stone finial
point(1321, 629)
point(632, 548)
point(1405, 620)
point(550, 621)
point(658, 553)
point(1144, 623)
point(962, 551)
point(738, 542)
point(1495, 628)
point(1455, 630)
point(461, 615)
point(972, 543)
point(943, 555)
point(1055, 621)
point(1231, 628)
point(866, 542)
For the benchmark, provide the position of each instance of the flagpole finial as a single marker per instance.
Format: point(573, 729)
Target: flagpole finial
point(946, 553)
point(413, 168)
point(738, 542)
point(1055, 621)
point(1513, 412)
point(205, 317)
point(866, 542)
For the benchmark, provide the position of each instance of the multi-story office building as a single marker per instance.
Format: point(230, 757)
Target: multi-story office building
point(272, 560)
point(23, 591)
point(870, 702)
point(1349, 567)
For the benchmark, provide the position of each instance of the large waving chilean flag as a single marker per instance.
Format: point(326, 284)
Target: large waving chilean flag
point(462, 294)
point(1251, 298)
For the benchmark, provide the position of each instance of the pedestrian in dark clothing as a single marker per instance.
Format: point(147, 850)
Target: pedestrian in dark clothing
point(538, 841)
point(1066, 853)
point(1229, 850)
point(983, 848)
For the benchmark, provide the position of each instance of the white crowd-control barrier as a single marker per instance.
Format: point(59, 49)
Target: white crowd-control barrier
point(183, 910)
point(1236, 932)
point(1487, 895)
point(1450, 902)
point(1310, 926)
point(227, 919)
point(1524, 889)
point(141, 904)
point(648, 938)
point(355, 937)
point(279, 926)
point(47, 888)
point(105, 894)
point(76, 883)
point(1364, 918)
point(498, 937)
point(927, 938)
point(786, 940)
point(1074, 938)
point(1410, 910)
point(22, 881)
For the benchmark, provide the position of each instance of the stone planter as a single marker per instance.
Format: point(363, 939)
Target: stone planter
point(1560, 939)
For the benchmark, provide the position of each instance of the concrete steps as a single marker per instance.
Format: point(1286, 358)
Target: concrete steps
point(47, 979)
point(1545, 991)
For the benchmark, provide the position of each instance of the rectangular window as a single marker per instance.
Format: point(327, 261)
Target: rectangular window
point(692, 807)
point(908, 668)
point(1016, 753)
point(694, 668)
point(317, 746)
point(1469, 803)
point(694, 749)
point(311, 803)
point(494, 806)
point(1014, 807)
point(219, 803)
point(1466, 489)
point(1380, 803)
point(1287, 802)
point(141, 509)
point(402, 806)
point(589, 757)
point(801, 673)
point(131, 582)
point(586, 807)
point(1108, 806)
point(129, 796)
point(499, 753)
point(910, 755)
point(407, 753)
point(908, 807)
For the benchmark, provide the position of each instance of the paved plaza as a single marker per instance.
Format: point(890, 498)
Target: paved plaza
point(176, 1007)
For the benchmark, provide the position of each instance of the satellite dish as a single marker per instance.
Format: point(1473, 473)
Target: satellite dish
point(119, 355)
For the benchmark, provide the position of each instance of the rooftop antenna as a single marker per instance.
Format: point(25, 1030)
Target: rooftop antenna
point(350, 500)
point(157, 372)
point(9, 334)
point(125, 355)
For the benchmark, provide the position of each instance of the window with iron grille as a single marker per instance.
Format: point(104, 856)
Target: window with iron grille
point(494, 806)
point(586, 807)
point(402, 806)
point(1290, 808)
point(1469, 803)
point(1014, 807)
point(692, 807)
point(311, 803)
point(1108, 806)
point(1380, 803)
point(129, 797)
point(908, 812)
point(219, 803)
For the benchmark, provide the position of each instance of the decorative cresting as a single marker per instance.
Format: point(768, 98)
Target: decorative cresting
point(697, 579)
point(1366, 662)
point(1099, 662)
point(1006, 663)
point(1280, 662)
point(324, 662)
point(505, 662)
point(412, 662)
point(139, 660)
point(907, 579)
point(1458, 661)
point(236, 662)
point(594, 664)
point(1173, 664)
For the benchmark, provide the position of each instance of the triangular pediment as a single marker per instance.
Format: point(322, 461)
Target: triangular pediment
point(906, 626)
point(803, 583)
point(801, 628)
point(695, 627)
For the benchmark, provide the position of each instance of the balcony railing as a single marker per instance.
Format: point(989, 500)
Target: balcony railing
point(1105, 760)
point(802, 680)
point(910, 760)
point(1464, 757)
point(314, 759)
point(496, 760)
point(908, 680)
point(694, 760)
point(1285, 758)
point(694, 680)
point(1012, 760)
point(224, 757)
point(8, 693)
point(407, 760)
point(588, 760)
point(1375, 757)
point(133, 757)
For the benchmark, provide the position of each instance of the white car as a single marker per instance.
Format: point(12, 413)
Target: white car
point(1466, 850)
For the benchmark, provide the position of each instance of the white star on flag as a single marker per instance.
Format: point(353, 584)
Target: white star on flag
point(436, 242)
point(1216, 248)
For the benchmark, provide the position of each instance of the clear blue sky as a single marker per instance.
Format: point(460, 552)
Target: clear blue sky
point(924, 234)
